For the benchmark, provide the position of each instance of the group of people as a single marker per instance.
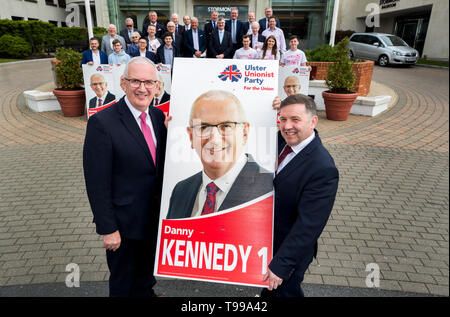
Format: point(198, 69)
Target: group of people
point(233, 38)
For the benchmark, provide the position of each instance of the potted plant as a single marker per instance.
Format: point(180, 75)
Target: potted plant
point(69, 80)
point(340, 81)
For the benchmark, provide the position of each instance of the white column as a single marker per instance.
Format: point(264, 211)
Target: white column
point(334, 22)
point(87, 6)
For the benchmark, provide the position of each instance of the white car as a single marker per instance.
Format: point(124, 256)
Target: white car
point(384, 48)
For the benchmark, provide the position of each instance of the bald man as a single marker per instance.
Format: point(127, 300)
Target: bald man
point(218, 131)
point(107, 40)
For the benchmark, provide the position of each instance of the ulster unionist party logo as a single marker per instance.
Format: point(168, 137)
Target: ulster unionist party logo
point(232, 73)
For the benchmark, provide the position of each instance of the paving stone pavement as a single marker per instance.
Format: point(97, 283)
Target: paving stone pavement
point(391, 208)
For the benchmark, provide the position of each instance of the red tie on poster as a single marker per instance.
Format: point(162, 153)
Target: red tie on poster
point(219, 247)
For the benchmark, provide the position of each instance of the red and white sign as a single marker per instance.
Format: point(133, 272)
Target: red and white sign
point(233, 245)
point(225, 247)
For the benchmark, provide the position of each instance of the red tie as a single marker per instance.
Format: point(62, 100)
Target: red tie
point(156, 101)
point(286, 151)
point(148, 136)
point(99, 103)
point(210, 203)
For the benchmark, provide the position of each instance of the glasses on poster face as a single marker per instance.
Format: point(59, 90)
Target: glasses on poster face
point(136, 83)
point(291, 86)
point(204, 131)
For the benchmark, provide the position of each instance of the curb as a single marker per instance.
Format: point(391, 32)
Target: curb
point(27, 61)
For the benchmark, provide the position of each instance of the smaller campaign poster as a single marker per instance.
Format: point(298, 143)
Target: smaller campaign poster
point(162, 96)
point(293, 80)
point(102, 86)
point(216, 218)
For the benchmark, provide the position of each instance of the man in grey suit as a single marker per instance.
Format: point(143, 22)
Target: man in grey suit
point(108, 39)
point(218, 131)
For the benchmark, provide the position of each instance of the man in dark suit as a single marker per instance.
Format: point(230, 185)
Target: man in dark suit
point(248, 25)
point(123, 160)
point(166, 53)
point(143, 51)
point(235, 27)
point(177, 37)
point(211, 26)
point(220, 45)
point(194, 40)
point(102, 96)
point(88, 55)
point(218, 131)
point(264, 22)
point(161, 96)
point(305, 186)
point(257, 39)
point(126, 33)
point(160, 30)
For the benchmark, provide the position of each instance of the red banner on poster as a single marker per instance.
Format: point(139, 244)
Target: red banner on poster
point(95, 110)
point(228, 247)
point(164, 107)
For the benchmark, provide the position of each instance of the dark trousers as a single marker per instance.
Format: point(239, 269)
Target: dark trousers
point(290, 287)
point(131, 269)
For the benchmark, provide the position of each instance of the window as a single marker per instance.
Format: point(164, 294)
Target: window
point(50, 3)
point(14, 18)
point(62, 3)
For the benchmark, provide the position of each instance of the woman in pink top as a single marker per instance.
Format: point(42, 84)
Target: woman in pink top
point(269, 50)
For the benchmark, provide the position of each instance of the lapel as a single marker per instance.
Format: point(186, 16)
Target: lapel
point(131, 125)
point(192, 192)
point(296, 162)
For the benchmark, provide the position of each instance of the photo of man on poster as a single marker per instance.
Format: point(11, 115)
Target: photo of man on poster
point(102, 96)
point(218, 131)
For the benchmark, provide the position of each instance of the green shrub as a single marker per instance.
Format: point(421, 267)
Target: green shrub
point(340, 77)
point(323, 53)
point(69, 74)
point(14, 47)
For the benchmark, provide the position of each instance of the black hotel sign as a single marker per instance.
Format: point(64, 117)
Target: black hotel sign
point(384, 4)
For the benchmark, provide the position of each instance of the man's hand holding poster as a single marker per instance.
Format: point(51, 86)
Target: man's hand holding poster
point(216, 218)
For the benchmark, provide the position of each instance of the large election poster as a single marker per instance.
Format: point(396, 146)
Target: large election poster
point(293, 80)
point(216, 220)
point(102, 86)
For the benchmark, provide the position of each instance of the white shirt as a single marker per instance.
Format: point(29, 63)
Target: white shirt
point(195, 39)
point(279, 36)
point(153, 44)
point(136, 113)
point(245, 54)
point(96, 58)
point(296, 58)
point(225, 182)
point(269, 55)
point(295, 150)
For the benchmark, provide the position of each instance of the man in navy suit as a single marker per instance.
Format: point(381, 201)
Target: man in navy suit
point(94, 56)
point(211, 26)
point(220, 45)
point(160, 30)
point(194, 40)
point(126, 33)
point(143, 51)
point(236, 28)
point(218, 131)
point(264, 22)
point(123, 161)
point(305, 186)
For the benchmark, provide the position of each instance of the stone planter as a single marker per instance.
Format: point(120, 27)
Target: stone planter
point(72, 102)
point(337, 106)
point(363, 74)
